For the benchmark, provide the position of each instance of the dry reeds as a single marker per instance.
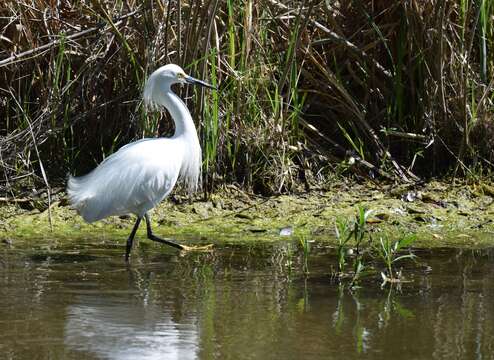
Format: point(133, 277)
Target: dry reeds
point(404, 88)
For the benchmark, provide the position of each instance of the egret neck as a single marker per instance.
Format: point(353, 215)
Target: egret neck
point(185, 132)
point(184, 125)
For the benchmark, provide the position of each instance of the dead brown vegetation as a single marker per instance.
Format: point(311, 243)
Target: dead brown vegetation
point(402, 88)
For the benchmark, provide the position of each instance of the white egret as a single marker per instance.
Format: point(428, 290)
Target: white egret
point(141, 174)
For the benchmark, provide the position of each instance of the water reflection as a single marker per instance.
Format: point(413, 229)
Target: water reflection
point(114, 329)
point(239, 302)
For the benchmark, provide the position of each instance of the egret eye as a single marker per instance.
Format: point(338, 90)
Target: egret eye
point(180, 76)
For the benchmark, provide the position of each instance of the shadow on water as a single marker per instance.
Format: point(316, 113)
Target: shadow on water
point(240, 301)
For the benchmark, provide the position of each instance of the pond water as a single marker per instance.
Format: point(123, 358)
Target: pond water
point(248, 301)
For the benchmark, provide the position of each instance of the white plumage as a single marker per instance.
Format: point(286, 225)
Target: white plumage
point(141, 174)
point(132, 180)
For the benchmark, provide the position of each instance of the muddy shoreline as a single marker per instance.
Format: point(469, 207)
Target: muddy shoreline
point(441, 213)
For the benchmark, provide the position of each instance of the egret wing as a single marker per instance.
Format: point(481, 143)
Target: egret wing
point(132, 180)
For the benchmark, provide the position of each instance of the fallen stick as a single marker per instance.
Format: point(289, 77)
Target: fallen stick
point(40, 49)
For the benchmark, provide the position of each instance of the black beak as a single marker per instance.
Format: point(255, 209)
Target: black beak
point(194, 81)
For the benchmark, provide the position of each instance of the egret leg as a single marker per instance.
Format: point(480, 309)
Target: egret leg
point(153, 237)
point(130, 240)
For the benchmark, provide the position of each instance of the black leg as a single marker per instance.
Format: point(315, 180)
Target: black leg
point(130, 240)
point(153, 237)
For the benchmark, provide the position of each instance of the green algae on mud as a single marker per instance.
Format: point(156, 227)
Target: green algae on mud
point(440, 214)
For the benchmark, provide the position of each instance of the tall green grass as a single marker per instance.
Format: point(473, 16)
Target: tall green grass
point(403, 88)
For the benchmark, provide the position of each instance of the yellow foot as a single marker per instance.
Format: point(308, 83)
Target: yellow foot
point(197, 248)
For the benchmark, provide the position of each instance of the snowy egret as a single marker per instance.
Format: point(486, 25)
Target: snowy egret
point(141, 174)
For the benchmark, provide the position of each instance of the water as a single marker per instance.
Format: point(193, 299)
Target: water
point(81, 301)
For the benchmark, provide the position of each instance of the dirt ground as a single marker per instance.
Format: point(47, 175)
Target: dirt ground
point(441, 213)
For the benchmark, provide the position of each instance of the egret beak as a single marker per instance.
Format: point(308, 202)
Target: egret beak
point(194, 81)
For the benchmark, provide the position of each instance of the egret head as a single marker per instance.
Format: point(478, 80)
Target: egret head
point(161, 80)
